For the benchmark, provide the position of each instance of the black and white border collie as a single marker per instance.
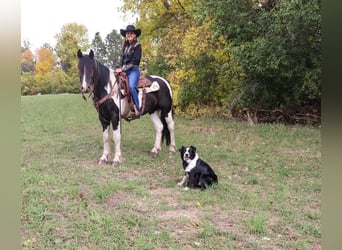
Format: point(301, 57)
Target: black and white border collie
point(197, 173)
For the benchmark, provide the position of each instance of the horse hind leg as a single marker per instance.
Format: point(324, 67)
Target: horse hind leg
point(171, 126)
point(158, 125)
point(106, 146)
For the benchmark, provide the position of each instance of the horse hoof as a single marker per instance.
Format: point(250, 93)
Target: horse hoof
point(116, 164)
point(154, 154)
point(102, 162)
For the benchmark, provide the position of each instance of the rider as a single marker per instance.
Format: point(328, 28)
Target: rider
point(130, 60)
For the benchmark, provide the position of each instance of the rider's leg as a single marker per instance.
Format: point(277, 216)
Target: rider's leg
point(133, 79)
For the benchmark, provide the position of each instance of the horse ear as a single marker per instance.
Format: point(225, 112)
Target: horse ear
point(79, 53)
point(91, 54)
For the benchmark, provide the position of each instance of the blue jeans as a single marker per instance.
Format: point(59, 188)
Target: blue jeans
point(133, 79)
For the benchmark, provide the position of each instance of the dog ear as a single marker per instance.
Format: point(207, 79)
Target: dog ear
point(193, 148)
point(181, 149)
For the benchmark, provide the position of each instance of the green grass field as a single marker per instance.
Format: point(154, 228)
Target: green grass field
point(268, 196)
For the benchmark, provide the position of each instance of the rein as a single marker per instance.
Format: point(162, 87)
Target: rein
point(98, 103)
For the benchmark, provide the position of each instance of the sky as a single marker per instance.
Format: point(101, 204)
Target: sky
point(41, 20)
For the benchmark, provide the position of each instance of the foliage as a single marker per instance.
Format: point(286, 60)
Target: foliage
point(99, 48)
point(27, 82)
point(72, 37)
point(277, 46)
point(113, 43)
point(45, 61)
point(26, 45)
point(108, 51)
point(27, 61)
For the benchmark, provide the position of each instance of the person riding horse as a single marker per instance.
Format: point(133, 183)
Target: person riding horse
point(130, 61)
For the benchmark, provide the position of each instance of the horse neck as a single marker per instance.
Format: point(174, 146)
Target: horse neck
point(103, 80)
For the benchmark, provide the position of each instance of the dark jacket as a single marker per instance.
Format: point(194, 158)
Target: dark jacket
point(131, 56)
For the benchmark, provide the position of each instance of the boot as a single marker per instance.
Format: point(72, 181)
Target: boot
point(134, 114)
point(137, 114)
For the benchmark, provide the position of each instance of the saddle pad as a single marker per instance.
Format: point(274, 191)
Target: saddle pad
point(154, 87)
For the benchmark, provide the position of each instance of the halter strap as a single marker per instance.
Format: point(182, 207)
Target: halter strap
point(98, 103)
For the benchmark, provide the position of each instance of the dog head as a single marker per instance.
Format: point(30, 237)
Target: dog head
point(187, 153)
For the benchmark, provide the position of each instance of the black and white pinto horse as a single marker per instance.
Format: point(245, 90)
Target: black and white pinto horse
point(103, 85)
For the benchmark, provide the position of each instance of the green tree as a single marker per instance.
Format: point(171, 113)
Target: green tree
point(72, 37)
point(27, 81)
point(99, 48)
point(277, 46)
point(113, 44)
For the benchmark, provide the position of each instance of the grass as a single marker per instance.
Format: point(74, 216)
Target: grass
point(268, 196)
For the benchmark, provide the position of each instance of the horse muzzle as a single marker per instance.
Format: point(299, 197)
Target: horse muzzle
point(86, 88)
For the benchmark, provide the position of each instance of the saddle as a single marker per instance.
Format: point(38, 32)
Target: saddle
point(146, 85)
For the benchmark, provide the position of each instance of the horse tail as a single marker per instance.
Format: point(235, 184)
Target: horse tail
point(166, 132)
point(166, 135)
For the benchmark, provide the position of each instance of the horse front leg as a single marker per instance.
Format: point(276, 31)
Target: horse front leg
point(106, 145)
point(117, 143)
point(158, 125)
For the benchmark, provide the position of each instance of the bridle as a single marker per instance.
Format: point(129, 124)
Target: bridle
point(98, 103)
point(92, 83)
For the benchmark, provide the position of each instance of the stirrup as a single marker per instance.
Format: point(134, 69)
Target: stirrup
point(136, 112)
point(132, 116)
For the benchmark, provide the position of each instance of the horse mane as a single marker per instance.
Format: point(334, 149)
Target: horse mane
point(112, 80)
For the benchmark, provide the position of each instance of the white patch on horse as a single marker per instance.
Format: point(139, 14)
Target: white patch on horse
point(158, 125)
point(84, 82)
point(166, 82)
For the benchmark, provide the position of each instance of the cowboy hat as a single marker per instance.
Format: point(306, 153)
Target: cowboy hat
point(137, 32)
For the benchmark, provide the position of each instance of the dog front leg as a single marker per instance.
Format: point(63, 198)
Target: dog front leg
point(183, 181)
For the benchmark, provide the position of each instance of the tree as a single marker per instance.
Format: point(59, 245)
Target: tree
point(99, 48)
point(113, 44)
point(277, 46)
point(45, 61)
point(108, 52)
point(71, 38)
point(27, 61)
point(26, 46)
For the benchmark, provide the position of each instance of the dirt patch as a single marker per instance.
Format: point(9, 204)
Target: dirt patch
point(179, 214)
point(183, 224)
point(228, 220)
point(116, 198)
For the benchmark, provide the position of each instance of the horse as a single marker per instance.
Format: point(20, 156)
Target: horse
point(103, 84)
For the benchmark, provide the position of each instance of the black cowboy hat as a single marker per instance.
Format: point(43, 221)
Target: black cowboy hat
point(130, 28)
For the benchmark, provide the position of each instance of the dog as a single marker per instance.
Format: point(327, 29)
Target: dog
point(197, 173)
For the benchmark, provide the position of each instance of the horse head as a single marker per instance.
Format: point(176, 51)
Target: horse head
point(86, 70)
